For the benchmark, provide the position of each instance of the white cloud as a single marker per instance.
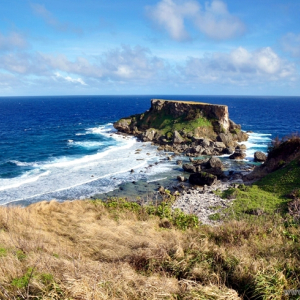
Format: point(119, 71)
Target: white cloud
point(214, 20)
point(170, 15)
point(291, 44)
point(12, 41)
point(80, 66)
point(240, 67)
point(69, 79)
point(131, 63)
point(217, 23)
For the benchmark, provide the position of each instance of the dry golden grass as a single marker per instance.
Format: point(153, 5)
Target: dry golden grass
point(84, 250)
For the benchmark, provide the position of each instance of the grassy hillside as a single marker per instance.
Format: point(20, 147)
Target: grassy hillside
point(91, 250)
point(270, 194)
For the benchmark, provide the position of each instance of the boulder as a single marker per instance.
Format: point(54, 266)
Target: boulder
point(219, 145)
point(202, 178)
point(149, 134)
point(228, 150)
point(189, 168)
point(201, 162)
point(241, 147)
point(123, 125)
point(238, 155)
point(179, 162)
point(233, 126)
point(190, 135)
point(197, 140)
point(205, 143)
point(181, 178)
point(177, 138)
point(226, 139)
point(198, 149)
point(161, 189)
point(215, 171)
point(215, 162)
point(207, 151)
point(242, 136)
point(260, 156)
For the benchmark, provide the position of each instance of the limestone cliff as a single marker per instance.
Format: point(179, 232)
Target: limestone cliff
point(184, 125)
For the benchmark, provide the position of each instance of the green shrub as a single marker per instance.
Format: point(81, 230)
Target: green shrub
point(23, 281)
point(215, 217)
point(3, 252)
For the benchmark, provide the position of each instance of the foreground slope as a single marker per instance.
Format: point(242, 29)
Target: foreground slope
point(119, 250)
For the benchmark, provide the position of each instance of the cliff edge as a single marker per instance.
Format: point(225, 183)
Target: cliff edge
point(182, 126)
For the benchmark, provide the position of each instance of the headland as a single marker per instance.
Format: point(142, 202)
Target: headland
point(192, 128)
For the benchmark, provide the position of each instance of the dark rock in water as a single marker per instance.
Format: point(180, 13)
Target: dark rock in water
point(181, 178)
point(238, 155)
point(228, 150)
point(215, 171)
point(202, 178)
point(189, 168)
point(179, 162)
point(131, 171)
point(260, 156)
point(201, 162)
point(215, 162)
point(169, 158)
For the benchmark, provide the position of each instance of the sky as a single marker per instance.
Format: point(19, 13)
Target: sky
point(166, 47)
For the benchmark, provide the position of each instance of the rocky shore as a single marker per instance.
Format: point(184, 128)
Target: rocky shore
point(201, 132)
point(203, 202)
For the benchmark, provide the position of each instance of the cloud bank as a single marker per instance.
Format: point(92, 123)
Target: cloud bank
point(137, 66)
point(240, 67)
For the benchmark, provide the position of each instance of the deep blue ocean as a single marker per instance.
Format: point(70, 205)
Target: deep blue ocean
point(65, 147)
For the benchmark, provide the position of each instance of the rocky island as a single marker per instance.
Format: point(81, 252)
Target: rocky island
point(192, 128)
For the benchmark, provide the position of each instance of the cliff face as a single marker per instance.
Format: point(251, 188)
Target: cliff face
point(185, 123)
point(193, 110)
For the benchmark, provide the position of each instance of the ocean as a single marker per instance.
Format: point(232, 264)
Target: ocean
point(65, 147)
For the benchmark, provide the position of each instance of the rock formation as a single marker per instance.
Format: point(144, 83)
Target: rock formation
point(192, 128)
point(280, 154)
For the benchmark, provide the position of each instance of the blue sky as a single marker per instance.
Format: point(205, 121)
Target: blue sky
point(201, 47)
